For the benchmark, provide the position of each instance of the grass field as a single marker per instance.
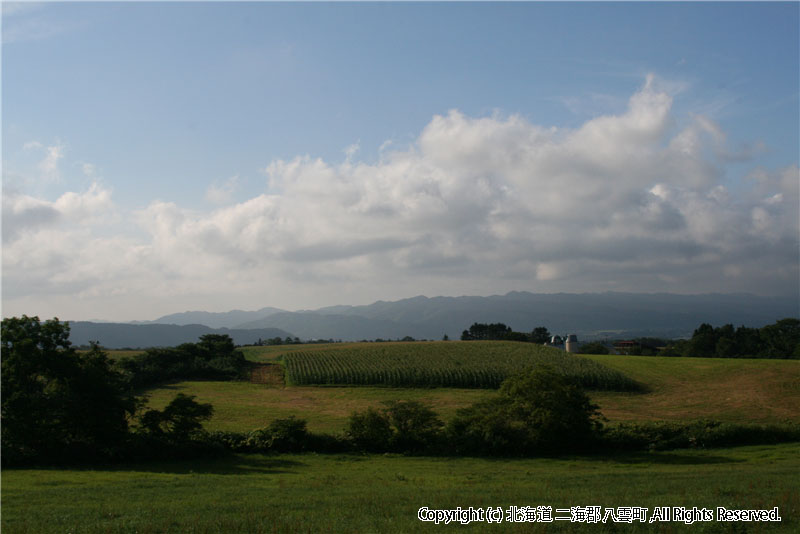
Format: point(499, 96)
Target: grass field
point(382, 493)
point(245, 406)
point(366, 494)
point(733, 390)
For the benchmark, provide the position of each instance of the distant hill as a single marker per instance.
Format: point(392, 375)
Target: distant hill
point(119, 335)
point(590, 315)
point(213, 319)
point(346, 327)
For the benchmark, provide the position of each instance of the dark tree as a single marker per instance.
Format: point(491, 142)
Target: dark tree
point(517, 336)
point(401, 426)
point(179, 420)
point(481, 331)
point(370, 430)
point(216, 345)
point(535, 412)
point(782, 339)
point(540, 335)
point(595, 347)
point(58, 404)
point(704, 341)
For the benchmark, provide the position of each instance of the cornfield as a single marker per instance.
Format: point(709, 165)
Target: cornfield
point(473, 364)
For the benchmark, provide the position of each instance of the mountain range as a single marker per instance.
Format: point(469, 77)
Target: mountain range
point(135, 336)
point(589, 315)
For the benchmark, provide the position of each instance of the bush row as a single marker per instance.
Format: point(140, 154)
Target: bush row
point(369, 433)
point(214, 357)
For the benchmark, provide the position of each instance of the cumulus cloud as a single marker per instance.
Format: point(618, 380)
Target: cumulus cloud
point(25, 215)
point(222, 193)
point(477, 205)
point(48, 166)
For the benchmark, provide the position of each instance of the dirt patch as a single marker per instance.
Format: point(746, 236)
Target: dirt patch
point(268, 374)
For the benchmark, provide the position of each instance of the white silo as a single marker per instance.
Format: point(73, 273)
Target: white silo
point(572, 343)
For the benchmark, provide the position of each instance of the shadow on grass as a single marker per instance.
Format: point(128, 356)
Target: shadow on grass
point(241, 464)
point(664, 458)
point(630, 458)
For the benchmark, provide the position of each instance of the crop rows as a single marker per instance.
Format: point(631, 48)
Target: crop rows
point(471, 364)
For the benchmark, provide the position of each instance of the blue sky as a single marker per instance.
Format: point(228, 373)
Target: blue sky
point(159, 157)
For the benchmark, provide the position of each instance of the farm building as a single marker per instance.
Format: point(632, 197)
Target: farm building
point(568, 343)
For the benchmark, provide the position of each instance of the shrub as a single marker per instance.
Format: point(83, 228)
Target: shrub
point(213, 357)
point(401, 426)
point(232, 441)
point(179, 421)
point(416, 427)
point(535, 412)
point(663, 435)
point(595, 347)
point(370, 430)
point(282, 435)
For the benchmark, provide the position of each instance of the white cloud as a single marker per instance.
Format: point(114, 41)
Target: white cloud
point(25, 215)
point(89, 170)
point(29, 21)
point(32, 145)
point(48, 166)
point(478, 205)
point(222, 193)
point(352, 150)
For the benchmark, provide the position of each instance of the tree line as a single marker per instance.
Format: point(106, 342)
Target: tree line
point(778, 340)
point(501, 332)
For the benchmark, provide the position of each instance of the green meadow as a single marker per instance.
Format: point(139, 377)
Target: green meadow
point(383, 493)
point(675, 389)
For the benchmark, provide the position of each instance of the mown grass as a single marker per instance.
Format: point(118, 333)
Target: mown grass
point(475, 364)
point(734, 390)
point(242, 406)
point(366, 494)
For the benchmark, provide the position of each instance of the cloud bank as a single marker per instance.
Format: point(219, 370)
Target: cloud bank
point(476, 206)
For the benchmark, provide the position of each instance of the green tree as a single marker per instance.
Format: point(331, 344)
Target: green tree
point(58, 403)
point(540, 335)
point(216, 345)
point(181, 419)
point(595, 347)
point(282, 435)
point(370, 430)
point(538, 411)
point(481, 331)
point(416, 426)
point(703, 342)
point(782, 339)
point(401, 426)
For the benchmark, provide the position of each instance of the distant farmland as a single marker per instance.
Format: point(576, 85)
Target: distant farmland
point(472, 364)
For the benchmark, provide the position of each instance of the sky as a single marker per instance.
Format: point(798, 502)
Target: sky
point(164, 157)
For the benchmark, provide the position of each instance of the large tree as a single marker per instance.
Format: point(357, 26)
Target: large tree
point(58, 403)
point(538, 411)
